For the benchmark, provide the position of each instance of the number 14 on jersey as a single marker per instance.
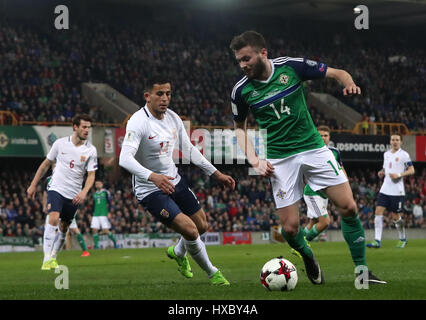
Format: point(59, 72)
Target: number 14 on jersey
point(283, 109)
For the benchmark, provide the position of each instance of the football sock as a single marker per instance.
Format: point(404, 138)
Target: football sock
point(306, 231)
point(298, 243)
point(59, 243)
point(400, 226)
point(96, 240)
point(111, 236)
point(180, 249)
point(378, 227)
point(198, 252)
point(311, 234)
point(81, 241)
point(48, 239)
point(354, 234)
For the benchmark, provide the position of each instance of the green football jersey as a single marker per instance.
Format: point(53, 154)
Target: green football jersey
point(308, 191)
point(279, 106)
point(101, 200)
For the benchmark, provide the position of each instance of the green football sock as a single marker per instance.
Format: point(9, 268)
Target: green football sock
point(305, 231)
point(81, 241)
point(298, 243)
point(111, 236)
point(96, 240)
point(353, 232)
point(311, 234)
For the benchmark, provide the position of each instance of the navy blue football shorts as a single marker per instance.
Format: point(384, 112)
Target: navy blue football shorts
point(391, 203)
point(166, 207)
point(57, 203)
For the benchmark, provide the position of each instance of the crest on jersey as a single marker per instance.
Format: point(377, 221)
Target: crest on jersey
point(82, 158)
point(396, 159)
point(164, 213)
point(281, 194)
point(284, 79)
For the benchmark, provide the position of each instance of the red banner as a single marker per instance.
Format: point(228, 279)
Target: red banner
point(236, 237)
point(119, 136)
point(421, 148)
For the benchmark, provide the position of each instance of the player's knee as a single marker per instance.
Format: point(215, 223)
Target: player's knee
point(203, 227)
point(291, 229)
point(190, 233)
point(349, 208)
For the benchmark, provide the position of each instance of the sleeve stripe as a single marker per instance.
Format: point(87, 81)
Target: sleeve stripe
point(286, 59)
point(239, 83)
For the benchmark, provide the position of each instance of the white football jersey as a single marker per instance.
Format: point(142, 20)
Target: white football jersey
point(155, 140)
point(396, 162)
point(72, 162)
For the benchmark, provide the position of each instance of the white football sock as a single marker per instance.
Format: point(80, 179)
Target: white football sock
point(378, 227)
point(180, 249)
point(58, 243)
point(48, 239)
point(198, 252)
point(400, 226)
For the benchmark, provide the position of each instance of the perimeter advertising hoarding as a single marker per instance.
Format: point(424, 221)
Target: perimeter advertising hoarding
point(31, 141)
point(360, 147)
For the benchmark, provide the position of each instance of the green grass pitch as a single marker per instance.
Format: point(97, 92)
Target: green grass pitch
point(148, 274)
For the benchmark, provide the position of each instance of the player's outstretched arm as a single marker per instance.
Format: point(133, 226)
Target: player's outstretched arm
point(41, 171)
point(345, 79)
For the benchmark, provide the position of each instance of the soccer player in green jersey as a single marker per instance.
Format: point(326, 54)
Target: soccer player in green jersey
point(101, 199)
point(272, 90)
point(317, 201)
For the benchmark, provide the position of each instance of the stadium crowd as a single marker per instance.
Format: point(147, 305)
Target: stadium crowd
point(42, 71)
point(250, 207)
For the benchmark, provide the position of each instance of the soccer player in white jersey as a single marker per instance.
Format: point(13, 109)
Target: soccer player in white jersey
point(151, 134)
point(396, 165)
point(73, 226)
point(74, 155)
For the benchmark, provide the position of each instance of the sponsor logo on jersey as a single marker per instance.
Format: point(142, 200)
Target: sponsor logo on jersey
point(281, 194)
point(164, 213)
point(284, 79)
point(82, 158)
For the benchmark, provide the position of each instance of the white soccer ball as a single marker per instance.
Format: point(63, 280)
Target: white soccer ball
point(279, 274)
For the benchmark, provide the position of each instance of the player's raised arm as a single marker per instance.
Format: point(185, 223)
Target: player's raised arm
point(41, 171)
point(345, 79)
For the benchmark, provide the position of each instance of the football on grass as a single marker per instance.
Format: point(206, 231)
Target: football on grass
point(279, 274)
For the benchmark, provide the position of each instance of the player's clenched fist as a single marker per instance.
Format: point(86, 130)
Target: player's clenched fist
point(162, 182)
